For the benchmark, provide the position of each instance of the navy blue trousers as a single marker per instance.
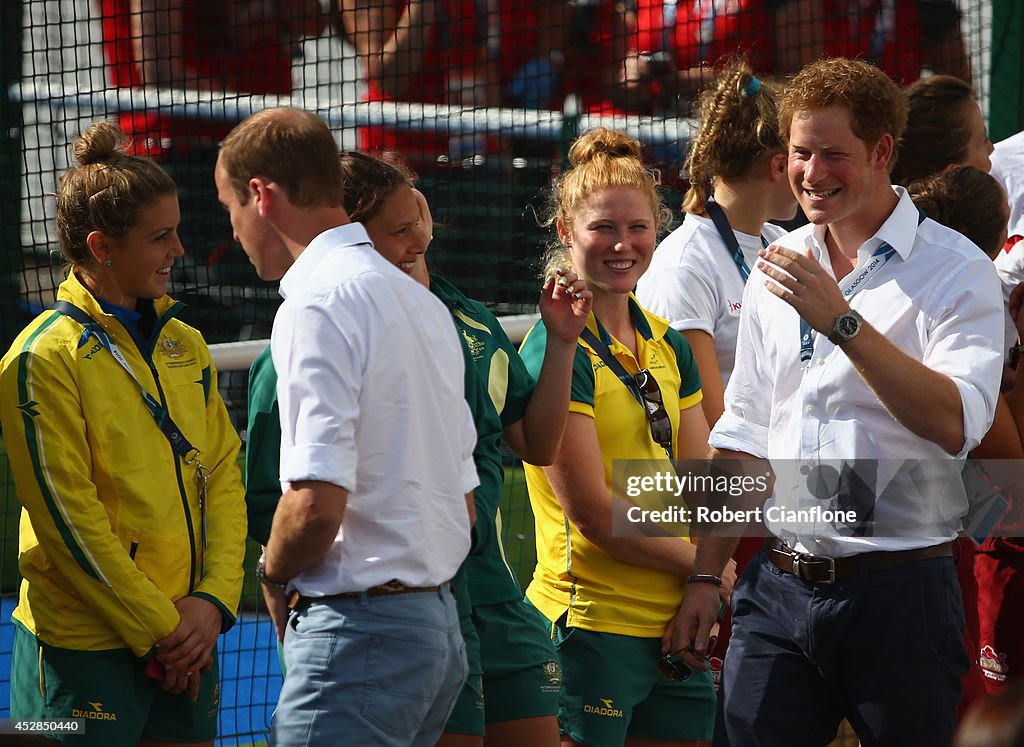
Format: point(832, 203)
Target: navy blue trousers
point(884, 650)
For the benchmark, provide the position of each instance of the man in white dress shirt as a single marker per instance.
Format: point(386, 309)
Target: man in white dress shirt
point(376, 453)
point(868, 365)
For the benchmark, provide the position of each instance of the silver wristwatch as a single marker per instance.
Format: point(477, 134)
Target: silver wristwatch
point(846, 326)
point(262, 575)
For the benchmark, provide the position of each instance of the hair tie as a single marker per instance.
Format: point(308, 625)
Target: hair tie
point(752, 87)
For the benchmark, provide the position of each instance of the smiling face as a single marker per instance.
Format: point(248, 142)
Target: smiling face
point(612, 239)
point(398, 230)
point(837, 178)
point(141, 261)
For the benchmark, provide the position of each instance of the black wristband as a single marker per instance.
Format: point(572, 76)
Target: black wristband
point(704, 578)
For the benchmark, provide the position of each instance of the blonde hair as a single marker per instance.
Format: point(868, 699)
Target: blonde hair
point(599, 159)
point(739, 124)
point(105, 191)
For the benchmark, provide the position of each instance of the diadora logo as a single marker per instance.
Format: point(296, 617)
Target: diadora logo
point(96, 713)
point(606, 709)
point(92, 351)
point(29, 408)
point(598, 365)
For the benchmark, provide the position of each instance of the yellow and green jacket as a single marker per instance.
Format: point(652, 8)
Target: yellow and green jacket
point(111, 529)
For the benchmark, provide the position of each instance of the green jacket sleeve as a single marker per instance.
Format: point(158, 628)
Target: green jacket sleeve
point(262, 448)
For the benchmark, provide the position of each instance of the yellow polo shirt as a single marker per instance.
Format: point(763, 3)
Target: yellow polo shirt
point(573, 575)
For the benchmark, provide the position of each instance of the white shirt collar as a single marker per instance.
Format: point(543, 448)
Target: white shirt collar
point(305, 265)
point(898, 231)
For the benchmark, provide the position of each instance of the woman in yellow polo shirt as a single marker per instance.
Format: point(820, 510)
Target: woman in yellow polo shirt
point(635, 395)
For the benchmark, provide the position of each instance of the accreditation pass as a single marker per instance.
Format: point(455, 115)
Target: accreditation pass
point(42, 727)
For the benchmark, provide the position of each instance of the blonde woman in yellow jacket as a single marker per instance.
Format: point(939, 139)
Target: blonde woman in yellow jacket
point(124, 459)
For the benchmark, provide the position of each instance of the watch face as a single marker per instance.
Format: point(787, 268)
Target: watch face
point(848, 326)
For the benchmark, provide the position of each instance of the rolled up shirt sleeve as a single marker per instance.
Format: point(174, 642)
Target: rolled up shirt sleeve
point(963, 344)
point(319, 379)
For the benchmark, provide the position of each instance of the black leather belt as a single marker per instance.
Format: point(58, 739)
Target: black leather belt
point(820, 569)
point(384, 590)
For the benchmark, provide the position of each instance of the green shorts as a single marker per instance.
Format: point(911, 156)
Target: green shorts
point(611, 689)
point(522, 676)
point(110, 690)
point(468, 715)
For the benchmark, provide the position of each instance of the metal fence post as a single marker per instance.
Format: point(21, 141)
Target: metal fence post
point(11, 263)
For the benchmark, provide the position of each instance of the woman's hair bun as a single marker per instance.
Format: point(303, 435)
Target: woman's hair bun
point(98, 143)
point(603, 142)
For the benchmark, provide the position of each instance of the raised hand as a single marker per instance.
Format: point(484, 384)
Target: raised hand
point(801, 281)
point(565, 303)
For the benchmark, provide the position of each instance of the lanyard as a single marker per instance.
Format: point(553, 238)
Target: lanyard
point(601, 348)
point(732, 244)
point(881, 255)
point(181, 445)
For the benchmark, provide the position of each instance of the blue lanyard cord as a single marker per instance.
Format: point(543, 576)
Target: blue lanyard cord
point(179, 443)
point(605, 354)
point(732, 244)
point(881, 255)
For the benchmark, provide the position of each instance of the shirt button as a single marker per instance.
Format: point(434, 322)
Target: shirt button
point(821, 361)
point(810, 409)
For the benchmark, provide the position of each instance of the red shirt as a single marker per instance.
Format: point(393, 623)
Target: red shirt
point(448, 75)
point(863, 29)
point(708, 31)
point(262, 68)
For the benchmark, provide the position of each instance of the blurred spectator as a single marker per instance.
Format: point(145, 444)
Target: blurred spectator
point(428, 51)
point(677, 44)
point(527, 43)
point(225, 47)
point(1008, 169)
point(901, 37)
point(945, 127)
point(995, 722)
point(595, 54)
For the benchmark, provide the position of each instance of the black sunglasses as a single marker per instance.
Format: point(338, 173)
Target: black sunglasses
point(671, 667)
point(661, 425)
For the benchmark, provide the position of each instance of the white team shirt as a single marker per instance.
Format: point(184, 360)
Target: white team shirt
point(370, 390)
point(938, 300)
point(1008, 170)
point(694, 283)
